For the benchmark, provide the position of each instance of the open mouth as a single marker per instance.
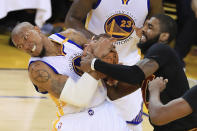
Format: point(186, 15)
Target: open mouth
point(34, 48)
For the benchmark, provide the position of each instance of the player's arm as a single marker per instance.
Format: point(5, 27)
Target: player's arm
point(77, 14)
point(120, 90)
point(155, 58)
point(78, 93)
point(46, 79)
point(130, 77)
point(162, 114)
point(130, 74)
point(156, 7)
point(75, 36)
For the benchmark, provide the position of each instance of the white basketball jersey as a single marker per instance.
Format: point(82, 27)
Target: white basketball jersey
point(116, 17)
point(68, 64)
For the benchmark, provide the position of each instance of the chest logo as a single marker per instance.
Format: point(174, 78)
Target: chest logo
point(119, 26)
point(76, 65)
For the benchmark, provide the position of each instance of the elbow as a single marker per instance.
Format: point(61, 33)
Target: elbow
point(157, 121)
point(68, 22)
point(158, 117)
point(71, 21)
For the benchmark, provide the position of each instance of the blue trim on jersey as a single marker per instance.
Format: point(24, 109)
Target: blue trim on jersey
point(63, 49)
point(51, 67)
point(148, 5)
point(145, 114)
point(72, 42)
point(138, 119)
point(45, 92)
point(61, 36)
point(97, 4)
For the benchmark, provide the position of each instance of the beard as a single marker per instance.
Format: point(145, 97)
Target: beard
point(42, 53)
point(146, 45)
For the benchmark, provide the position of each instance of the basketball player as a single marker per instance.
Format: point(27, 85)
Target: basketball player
point(178, 108)
point(159, 60)
point(117, 18)
point(54, 69)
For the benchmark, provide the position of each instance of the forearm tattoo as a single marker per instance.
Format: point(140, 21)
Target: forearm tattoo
point(44, 79)
point(41, 76)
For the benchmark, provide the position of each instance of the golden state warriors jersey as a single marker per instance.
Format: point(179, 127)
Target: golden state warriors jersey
point(116, 17)
point(68, 64)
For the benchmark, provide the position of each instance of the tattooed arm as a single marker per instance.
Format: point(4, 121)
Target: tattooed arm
point(46, 79)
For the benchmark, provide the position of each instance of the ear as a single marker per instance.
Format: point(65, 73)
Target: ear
point(37, 28)
point(164, 37)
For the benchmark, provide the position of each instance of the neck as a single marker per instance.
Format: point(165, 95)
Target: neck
point(51, 48)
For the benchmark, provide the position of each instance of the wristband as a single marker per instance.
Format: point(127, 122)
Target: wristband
point(92, 63)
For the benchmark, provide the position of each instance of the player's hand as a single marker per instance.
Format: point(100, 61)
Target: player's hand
point(100, 45)
point(85, 64)
point(158, 84)
point(104, 46)
point(104, 35)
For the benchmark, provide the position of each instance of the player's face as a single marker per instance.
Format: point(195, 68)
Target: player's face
point(150, 30)
point(150, 34)
point(30, 41)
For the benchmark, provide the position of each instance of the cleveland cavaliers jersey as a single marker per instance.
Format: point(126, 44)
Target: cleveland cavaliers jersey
point(68, 64)
point(116, 17)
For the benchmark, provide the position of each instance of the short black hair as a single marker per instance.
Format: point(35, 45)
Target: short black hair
point(168, 25)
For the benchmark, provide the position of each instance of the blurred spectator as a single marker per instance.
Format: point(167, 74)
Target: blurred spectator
point(43, 8)
point(187, 25)
point(7, 23)
point(59, 10)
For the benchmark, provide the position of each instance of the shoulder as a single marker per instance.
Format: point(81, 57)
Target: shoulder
point(190, 96)
point(37, 65)
point(160, 48)
point(191, 93)
point(75, 36)
point(161, 53)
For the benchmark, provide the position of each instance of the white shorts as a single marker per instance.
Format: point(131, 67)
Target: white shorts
point(101, 118)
